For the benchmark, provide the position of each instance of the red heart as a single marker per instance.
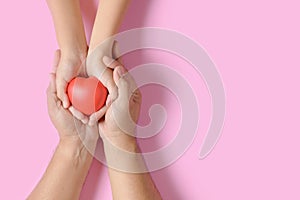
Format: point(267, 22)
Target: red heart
point(87, 95)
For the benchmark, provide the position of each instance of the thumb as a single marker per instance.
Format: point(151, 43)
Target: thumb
point(61, 86)
point(56, 60)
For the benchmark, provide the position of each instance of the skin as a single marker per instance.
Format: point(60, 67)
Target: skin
point(68, 168)
point(72, 42)
point(124, 185)
point(71, 161)
point(67, 171)
point(108, 20)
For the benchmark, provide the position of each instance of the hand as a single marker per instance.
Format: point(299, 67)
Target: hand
point(69, 128)
point(121, 117)
point(70, 66)
point(95, 67)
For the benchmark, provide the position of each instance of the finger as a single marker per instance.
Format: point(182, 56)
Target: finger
point(61, 84)
point(100, 129)
point(56, 60)
point(121, 82)
point(116, 54)
point(107, 80)
point(94, 118)
point(110, 62)
point(137, 96)
point(79, 115)
point(125, 82)
point(108, 101)
point(52, 85)
point(51, 93)
point(120, 76)
point(117, 74)
point(61, 91)
point(112, 90)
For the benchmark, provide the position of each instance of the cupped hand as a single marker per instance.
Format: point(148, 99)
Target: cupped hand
point(68, 127)
point(118, 125)
point(70, 65)
point(94, 66)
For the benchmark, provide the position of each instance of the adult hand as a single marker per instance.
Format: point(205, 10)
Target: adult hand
point(121, 117)
point(68, 127)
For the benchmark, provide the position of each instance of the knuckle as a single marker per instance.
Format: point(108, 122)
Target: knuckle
point(138, 93)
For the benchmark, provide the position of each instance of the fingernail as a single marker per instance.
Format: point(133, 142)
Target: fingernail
point(107, 60)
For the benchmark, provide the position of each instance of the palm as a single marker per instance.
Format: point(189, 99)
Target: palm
point(63, 120)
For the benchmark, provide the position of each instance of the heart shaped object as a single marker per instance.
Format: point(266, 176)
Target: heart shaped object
point(87, 95)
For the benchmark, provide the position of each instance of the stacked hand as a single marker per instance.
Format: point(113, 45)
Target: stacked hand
point(118, 116)
point(73, 65)
point(114, 123)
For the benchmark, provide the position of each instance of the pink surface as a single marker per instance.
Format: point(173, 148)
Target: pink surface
point(255, 45)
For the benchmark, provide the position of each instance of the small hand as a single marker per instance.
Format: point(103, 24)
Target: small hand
point(70, 66)
point(96, 67)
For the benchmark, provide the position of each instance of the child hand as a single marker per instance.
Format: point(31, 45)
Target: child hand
point(69, 67)
point(96, 67)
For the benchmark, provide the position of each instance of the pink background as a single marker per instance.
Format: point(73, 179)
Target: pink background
point(255, 45)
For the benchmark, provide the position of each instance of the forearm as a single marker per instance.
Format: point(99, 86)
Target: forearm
point(65, 174)
point(128, 185)
point(108, 19)
point(68, 26)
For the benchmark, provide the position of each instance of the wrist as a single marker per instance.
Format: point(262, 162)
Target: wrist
point(74, 45)
point(124, 155)
point(73, 59)
point(121, 141)
point(72, 149)
point(74, 54)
